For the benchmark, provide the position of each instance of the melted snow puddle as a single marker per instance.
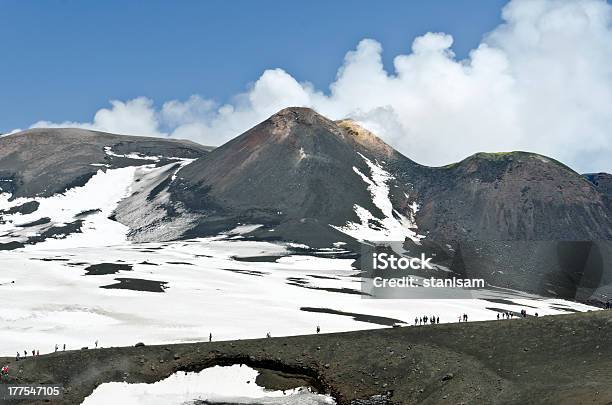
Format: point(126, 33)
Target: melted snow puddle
point(229, 385)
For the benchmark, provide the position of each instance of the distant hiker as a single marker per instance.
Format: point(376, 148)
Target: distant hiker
point(96, 343)
point(608, 304)
point(268, 335)
point(17, 357)
point(416, 321)
point(318, 329)
point(438, 319)
point(536, 315)
point(64, 347)
point(37, 353)
point(210, 337)
point(25, 354)
point(465, 318)
point(56, 347)
point(33, 353)
point(498, 316)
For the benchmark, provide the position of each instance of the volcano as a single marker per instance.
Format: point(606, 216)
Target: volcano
point(299, 177)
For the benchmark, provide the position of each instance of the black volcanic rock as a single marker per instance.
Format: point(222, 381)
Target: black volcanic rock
point(42, 162)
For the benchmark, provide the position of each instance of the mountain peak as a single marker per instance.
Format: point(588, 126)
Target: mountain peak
point(289, 116)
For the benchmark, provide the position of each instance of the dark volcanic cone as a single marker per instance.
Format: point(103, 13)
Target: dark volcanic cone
point(512, 196)
point(296, 171)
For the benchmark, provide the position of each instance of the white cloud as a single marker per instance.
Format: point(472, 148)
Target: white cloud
point(134, 117)
point(541, 81)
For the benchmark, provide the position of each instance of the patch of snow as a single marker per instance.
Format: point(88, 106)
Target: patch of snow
point(242, 229)
point(297, 245)
point(303, 154)
point(140, 156)
point(393, 226)
point(183, 162)
point(230, 384)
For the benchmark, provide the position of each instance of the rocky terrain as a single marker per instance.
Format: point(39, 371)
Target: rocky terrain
point(96, 220)
point(315, 181)
point(520, 220)
point(563, 359)
point(300, 168)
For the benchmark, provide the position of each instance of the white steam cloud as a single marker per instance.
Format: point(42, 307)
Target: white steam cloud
point(541, 82)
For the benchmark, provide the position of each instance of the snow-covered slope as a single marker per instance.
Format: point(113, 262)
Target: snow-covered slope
point(80, 215)
point(114, 205)
point(182, 291)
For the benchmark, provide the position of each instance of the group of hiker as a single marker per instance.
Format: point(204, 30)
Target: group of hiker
point(510, 315)
point(36, 353)
point(25, 354)
point(424, 319)
point(433, 320)
point(64, 348)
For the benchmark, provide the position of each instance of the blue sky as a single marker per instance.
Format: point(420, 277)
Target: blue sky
point(63, 60)
point(438, 80)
